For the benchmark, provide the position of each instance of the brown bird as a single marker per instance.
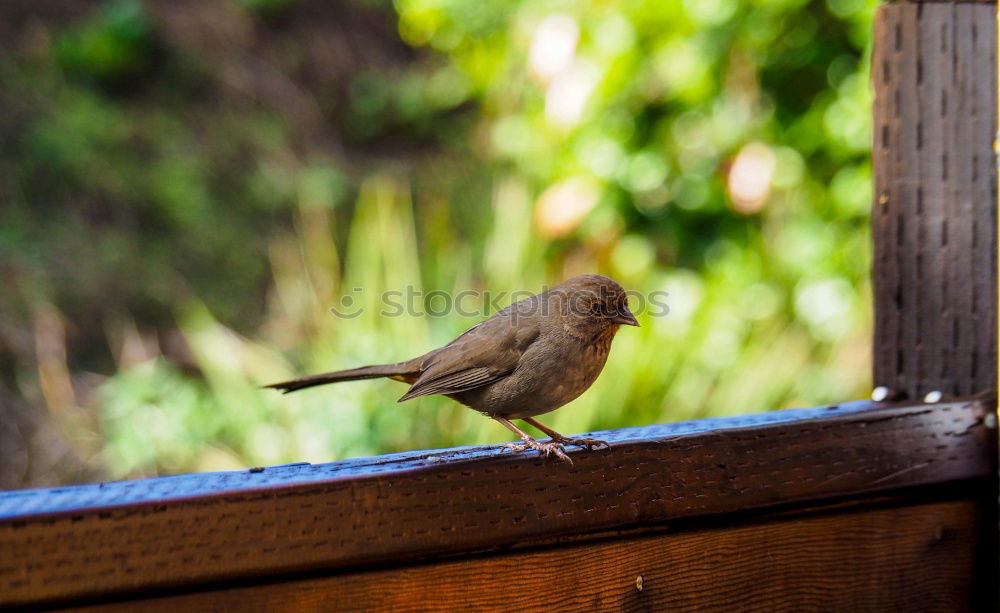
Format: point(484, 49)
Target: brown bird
point(528, 359)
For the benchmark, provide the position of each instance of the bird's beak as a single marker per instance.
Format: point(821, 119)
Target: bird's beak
point(626, 318)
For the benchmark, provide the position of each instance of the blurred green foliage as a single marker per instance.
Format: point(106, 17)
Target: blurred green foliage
point(194, 222)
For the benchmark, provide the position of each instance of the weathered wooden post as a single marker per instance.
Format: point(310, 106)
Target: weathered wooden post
point(934, 214)
point(934, 218)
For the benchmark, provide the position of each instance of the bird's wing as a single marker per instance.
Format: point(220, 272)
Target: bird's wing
point(453, 383)
point(484, 354)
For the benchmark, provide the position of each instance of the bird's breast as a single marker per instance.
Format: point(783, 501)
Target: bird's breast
point(602, 340)
point(547, 379)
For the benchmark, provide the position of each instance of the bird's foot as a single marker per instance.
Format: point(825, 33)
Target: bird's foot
point(550, 448)
point(590, 443)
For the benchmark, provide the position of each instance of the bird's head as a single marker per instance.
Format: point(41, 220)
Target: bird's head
point(592, 304)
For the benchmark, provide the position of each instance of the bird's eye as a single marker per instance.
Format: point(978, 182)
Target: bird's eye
point(597, 308)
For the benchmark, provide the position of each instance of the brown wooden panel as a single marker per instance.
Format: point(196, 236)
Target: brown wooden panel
point(934, 215)
point(909, 558)
point(426, 504)
point(993, 2)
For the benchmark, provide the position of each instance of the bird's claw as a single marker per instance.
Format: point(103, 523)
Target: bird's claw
point(550, 448)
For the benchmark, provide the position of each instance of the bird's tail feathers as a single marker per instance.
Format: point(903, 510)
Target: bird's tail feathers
point(402, 371)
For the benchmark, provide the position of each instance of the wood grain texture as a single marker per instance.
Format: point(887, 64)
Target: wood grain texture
point(907, 558)
point(993, 2)
point(418, 505)
point(934, 215)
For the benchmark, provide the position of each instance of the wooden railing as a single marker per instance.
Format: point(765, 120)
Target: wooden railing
point(863, 503)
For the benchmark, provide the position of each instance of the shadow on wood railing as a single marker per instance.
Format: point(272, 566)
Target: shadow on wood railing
point(699, 513)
